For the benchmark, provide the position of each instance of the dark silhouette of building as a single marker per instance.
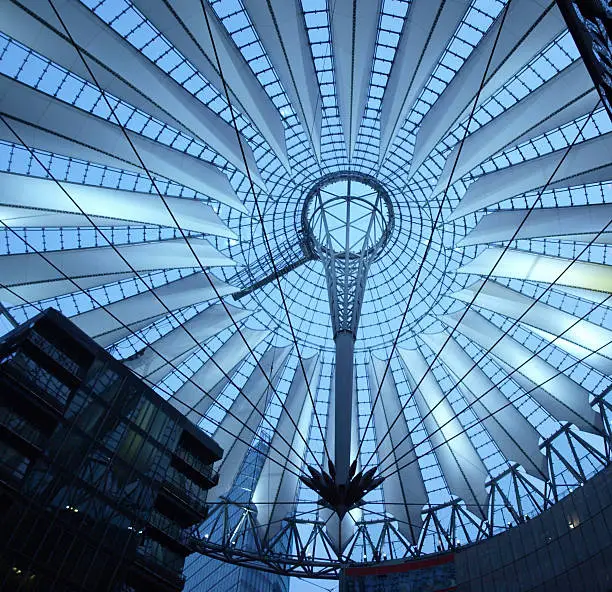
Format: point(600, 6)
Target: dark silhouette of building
point(101, 480)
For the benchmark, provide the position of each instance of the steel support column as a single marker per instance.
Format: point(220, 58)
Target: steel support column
point(345, 345)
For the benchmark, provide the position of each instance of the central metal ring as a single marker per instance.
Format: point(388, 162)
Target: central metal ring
point(347, 214)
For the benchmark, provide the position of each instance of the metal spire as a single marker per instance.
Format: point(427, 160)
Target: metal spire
point(347, 219)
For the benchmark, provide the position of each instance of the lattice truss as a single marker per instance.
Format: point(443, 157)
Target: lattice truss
point(155, 161)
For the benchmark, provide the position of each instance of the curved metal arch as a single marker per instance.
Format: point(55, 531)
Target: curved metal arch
point(513, 498)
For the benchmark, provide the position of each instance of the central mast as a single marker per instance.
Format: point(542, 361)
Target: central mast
point(347, 220)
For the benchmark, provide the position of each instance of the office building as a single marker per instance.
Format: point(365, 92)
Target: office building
point(204, 574)
point(101, 480)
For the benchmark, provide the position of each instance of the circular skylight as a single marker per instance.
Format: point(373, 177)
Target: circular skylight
point(348, 215)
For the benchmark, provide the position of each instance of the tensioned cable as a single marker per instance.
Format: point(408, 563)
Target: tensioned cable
point(489, 275)
point(478, 421)
point(182, 232)
point(261, 220)
point(428, 246)
point(174, 367)
point(372, 502)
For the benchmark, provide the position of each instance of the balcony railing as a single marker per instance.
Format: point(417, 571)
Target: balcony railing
point(55, 354)
point(167, 526)
point(163, 565)
point(186, 489)
point(27, 373)
point(20, 426)
point(202, 467)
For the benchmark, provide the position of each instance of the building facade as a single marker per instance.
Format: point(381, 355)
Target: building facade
point(566, 548)
point(101, 480)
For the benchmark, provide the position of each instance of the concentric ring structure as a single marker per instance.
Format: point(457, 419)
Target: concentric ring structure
point(156, 157)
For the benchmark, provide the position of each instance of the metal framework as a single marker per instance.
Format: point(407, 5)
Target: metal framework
point(590, 22)
point(233, 533)
point(156, 160)
point(348, 229)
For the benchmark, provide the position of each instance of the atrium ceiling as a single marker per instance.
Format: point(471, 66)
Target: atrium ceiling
point(156, 162)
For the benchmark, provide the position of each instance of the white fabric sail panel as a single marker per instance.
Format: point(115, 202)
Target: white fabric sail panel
point(590, 358)
point(498, 298)
point(529, 27)
point(563, 398)
point(27, 293)
point(587, 162)
point(31, 218)
point(172, 346)
point(182, 22)
point(463, 469)
point(354, 26)
point(429, 26)
point(340, 532)
point(404, 491)
point(177, 294)
point(27, 268)
point(47, 123)
point(514, 435)
point(109, 338)
point(538, 393)
point(282, 31)
point(17, 217)
point(563, 98)
point(108, 207)
point(197, 395)
point(277, 487)
point(525, 265)
point(514, 305)
point(577, 221)
point(239, 425)
point(121, 70)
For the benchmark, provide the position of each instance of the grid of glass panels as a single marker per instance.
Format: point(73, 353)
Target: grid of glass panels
point(271, 229)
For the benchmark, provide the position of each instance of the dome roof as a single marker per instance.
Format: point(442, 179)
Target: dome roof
point(158, 162)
